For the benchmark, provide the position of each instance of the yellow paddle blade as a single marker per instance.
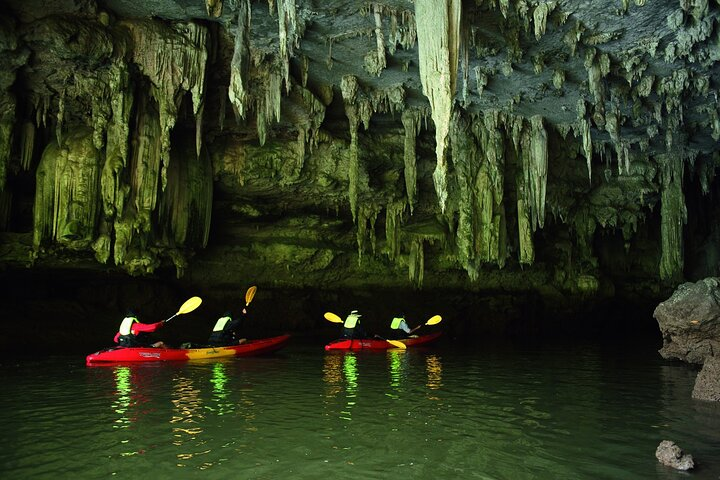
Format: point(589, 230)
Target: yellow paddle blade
point(397, 344)
point(332, 317)
point(434, 320)
point(190, 305)
point(250, 294)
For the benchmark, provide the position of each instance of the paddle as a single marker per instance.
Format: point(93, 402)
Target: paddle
point(434, 320)
point(336, 319)
point(250, 294)
point(187, 307)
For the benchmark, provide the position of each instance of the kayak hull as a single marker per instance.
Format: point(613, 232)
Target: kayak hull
point(377, 344)
point(150, 354)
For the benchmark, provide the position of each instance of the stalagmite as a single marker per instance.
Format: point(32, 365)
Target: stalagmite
point(240, 63)
point(438, 27)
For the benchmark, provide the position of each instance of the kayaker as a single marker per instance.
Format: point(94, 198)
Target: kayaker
point(227, 330)
point(399, 323)
point(132, 333)
point(351, 326)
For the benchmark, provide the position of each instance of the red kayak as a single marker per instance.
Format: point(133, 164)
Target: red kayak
point(149, 354)
point(377, 344)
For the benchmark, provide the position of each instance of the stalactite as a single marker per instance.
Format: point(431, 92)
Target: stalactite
point(393, 221)
point(174, 59)
point(673, 213)
point(185, 208)
point(466, 167)
point(534, 162)
point(416, 262)
point(240, 63)
point(13, 54)
point(492, 177)
point(60, 118)
point(198, 129)
point(27, 145)
point(481, 80)
point(379, 62)
point(214, 8)
point(44, 206)
point(367, 213)
point(288, 34)
point(66, 199)
point(438, 26)
point(583, 130)
point(349, 88)
point(525, 227)
point(411, 123)
point(114, 188)
point(7, 118)
point(540, 14)
point(269, 103)
point(145, 165)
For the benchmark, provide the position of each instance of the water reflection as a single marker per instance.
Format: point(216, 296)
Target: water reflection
point(350, 372)
point(433, 367)
point(397, 360)
point(220, 405)
point(340, 371)
point(187, 417)
point(123, 391)
point(332, 374)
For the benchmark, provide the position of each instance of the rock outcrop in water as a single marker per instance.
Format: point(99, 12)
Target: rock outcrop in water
point(690, 324)
point(671, 455)
point(707, 385)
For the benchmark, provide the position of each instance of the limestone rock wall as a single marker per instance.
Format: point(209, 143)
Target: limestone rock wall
point(529, 149)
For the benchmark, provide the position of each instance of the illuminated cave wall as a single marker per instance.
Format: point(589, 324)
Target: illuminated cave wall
point(144, 143)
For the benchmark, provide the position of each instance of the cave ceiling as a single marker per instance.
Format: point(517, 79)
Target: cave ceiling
point(496, 108)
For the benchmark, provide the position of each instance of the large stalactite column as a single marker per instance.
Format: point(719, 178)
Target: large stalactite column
point(438, 31)
point(674, 214)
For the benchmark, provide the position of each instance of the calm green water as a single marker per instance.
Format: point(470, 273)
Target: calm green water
point(520, 413)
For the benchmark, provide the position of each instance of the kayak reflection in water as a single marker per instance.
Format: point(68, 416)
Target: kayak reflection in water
point(352, 328)
point(132, 333)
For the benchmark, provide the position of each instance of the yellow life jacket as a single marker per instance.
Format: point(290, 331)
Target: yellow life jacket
point(220, 324)
point(126, 325)
point(396, 322)
point(351, 320)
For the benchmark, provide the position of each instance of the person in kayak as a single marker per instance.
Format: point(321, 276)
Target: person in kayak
point(132, 333)
point(227, 330)
point(351, 326)
point(399, 323)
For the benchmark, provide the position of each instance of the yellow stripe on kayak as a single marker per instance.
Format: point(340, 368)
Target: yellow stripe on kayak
point(210, 353)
